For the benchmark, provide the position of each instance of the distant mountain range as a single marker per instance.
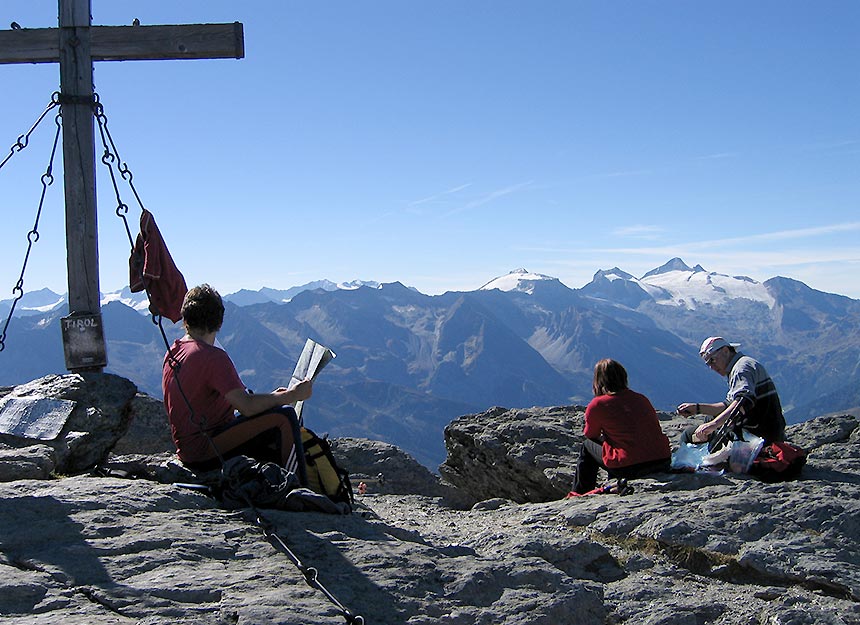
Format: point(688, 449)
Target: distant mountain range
point(409, 363)
point(45, 301)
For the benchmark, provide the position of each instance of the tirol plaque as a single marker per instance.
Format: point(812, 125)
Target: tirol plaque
point(84, 341)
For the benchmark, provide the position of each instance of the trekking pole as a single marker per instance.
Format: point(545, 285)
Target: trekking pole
point(731, 427)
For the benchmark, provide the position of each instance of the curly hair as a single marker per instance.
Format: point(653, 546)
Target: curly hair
point(609, 377)
point(202, 309)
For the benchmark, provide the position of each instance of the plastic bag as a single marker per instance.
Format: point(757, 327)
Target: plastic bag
point(694, 457)
point(718, 457)
point(744, 452)
point(689, 456)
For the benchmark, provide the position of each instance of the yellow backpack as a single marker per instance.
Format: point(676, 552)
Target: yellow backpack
point(324, 475)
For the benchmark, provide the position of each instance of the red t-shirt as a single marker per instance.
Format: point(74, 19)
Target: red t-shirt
point(630, 429)
point(206, 374)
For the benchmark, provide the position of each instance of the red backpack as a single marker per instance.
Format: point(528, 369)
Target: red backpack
point(779, 462)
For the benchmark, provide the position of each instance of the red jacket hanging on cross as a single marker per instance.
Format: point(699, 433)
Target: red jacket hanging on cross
point(152, 268)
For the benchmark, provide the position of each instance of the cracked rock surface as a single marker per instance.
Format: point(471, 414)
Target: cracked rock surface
point(683, 549)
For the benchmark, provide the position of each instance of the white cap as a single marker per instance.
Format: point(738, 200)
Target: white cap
point(712, 344)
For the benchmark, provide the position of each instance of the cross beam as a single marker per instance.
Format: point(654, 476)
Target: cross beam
point(75, 45)
point(127, 43)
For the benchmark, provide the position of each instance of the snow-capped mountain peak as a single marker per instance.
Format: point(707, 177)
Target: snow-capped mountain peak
point(613, 274)
point(138, 301)
point(356, 284)
point(676, 264)
point(34, 303)
point(675, 283)
point(517, 280)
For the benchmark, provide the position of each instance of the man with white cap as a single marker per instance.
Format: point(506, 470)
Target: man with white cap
point(752, 399)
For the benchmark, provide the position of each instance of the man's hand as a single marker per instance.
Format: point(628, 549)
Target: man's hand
point(301, 391)
point(704, 431)
point(251, 404)
point(688, 409)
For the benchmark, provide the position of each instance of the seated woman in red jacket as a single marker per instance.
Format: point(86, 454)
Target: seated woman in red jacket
point(622, 432)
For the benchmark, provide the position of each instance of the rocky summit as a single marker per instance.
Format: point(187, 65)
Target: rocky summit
point(490, 541)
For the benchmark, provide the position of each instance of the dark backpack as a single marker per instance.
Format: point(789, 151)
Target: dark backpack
point(324, 474)
point(246, 482)
point(779, 462)
point(263, 484)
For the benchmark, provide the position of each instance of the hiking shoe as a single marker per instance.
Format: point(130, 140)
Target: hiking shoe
point(623, 488)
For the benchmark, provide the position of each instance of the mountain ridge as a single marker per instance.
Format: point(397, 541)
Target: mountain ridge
point(45, 300)
point(408, 363)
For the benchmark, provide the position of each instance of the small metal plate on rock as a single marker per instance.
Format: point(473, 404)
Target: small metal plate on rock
point(41, 418)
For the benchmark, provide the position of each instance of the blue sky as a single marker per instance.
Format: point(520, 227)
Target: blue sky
point(444, 143)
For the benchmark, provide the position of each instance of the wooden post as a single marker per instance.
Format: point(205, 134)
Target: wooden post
point(75, 45)
point(76, 98)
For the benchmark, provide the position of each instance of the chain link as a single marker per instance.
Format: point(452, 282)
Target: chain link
point(310, 573)
point(112, 160)
point(47, 180)
point(24, 140)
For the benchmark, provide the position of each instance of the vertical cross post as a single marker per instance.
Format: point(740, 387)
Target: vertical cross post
point(76, 102)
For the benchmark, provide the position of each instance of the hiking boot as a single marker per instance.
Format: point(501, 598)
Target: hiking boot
point(623, 488)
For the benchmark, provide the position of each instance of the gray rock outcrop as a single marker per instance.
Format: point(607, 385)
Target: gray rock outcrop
point(386, 468)
point(148, 430)
point(683, 549)
point(521, 455)
point(99, 418)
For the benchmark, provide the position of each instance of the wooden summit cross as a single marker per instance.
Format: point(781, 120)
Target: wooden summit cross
point(75, 45)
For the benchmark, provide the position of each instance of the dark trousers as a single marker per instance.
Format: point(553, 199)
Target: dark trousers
point(591, 461)
point(273, 436)
point(687, 434)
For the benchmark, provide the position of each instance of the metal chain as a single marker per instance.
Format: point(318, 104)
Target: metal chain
point(268, 528)
point(47, 180)
point(24, 140)
point(311, 574)
point(112, 159)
